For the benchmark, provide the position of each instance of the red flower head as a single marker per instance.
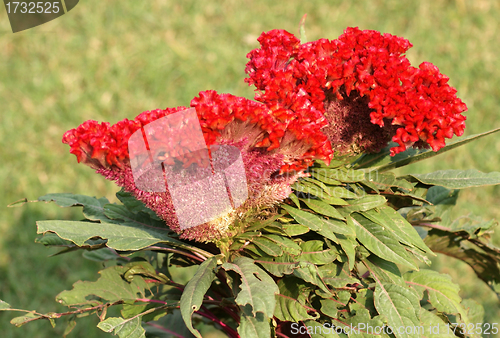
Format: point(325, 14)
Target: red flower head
point(348, 95)
point(362, 84)
point(267, 148)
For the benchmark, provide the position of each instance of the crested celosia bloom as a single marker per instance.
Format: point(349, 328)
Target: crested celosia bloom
point(362, 84)
point(344, 96)
point(267, 148)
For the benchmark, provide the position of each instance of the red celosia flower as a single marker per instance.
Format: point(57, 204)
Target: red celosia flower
point(267, 148)
point(362, 84)
point(348, 95)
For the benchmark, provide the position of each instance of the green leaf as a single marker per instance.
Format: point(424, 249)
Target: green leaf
point(382, 161)
point(311, 221)
point(318, 330)
point(171, 321)
point(380, 241)
point(320, 174)
point(458, 179)
point(121, 237)
point(386, 181)
point(310, 273)
point(21, 320)
point(194, 292)
point(291, 301)
point(384, 271)
point(313, 252)
point(101, 255)
point(362, 325)
point(286, 244)
point(253, 326)
point(400, 227)
point(92, 207)
point(435, 326)
point(4, 305)
point(475, 311)
point(484, 259)
point(322, 208)
point(442, 292)
point(400, 305)
point(268, 246)
point(336, 275)
point(338, 227)
point(279, 266)
point(365, 203)
point(111, 287)
point(294, 229)
point(257, 288)
point(294, 199)
point(124, 328)
point(50, 239)
point(349, 244)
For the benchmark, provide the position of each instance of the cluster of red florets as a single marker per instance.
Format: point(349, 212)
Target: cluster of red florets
point(105, 145)
point(352, 94)
point(297, 81)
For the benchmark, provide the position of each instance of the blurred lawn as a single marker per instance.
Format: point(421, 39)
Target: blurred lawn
point(109, 60)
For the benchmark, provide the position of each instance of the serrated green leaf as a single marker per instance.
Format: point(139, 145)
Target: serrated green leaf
point(110, 287)
point(322, 208)
point(257, 288)
point(400, 305)
point(442, 292)
point(253, 326)
point(380, 241)
point(194, 292)
point(124, 328)
point(291, 301)
point(458, 179)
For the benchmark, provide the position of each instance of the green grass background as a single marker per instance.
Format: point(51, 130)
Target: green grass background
point(113, 59)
